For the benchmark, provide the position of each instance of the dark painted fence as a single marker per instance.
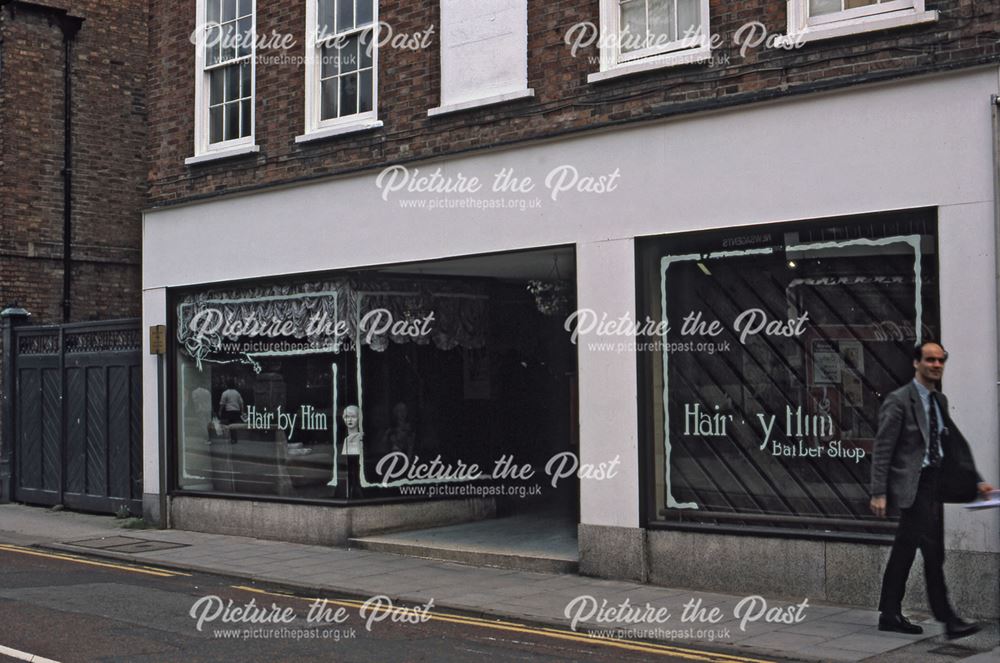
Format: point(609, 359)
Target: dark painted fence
point(77, 413)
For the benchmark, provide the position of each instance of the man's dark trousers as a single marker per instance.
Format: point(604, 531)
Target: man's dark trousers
point(920, 526)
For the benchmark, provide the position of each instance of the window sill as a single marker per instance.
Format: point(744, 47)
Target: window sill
point(338, 130)
point(479, 103)
point(222, 154)
point(677, 58)
point(856, 26)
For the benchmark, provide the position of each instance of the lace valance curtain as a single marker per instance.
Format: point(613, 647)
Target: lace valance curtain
point(332, 315)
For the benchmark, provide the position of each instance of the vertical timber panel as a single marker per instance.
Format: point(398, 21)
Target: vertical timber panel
point(76, 430)
point(97, 430)
point(118, 432)
point(29, 433)
point(51, 425)
point(135, 428)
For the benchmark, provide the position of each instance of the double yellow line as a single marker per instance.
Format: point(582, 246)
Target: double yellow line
point(497, 625)
point(146, 570)
point(557, 634)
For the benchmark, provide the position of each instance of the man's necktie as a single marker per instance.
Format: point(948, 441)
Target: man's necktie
point(934, 450)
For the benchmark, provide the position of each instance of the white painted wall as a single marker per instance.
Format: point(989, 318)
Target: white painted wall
point(910, 144)
point(484, 49)
point(608, 403)
point(969, 331)
point(154, 312)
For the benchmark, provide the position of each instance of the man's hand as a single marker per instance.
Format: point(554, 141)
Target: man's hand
point(877, 506)
point(984, 489)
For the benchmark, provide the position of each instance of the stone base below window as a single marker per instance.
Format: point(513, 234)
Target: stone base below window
point(781, 568)
point(845, 573)
point(316, 524)
point(612, 552)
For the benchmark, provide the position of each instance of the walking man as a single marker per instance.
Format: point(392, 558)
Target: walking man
point(915, 435)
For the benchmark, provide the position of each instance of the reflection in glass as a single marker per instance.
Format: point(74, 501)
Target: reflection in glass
point(349, 94)
point(364, 9)
point(215, 123)
point(345, 15)
point(820, 7)
point(633, 25)
point(688, 19)
point(232, 120)
point(452, 396)
point(329, 98)
point(217, 79)
point(365, 91)
point(661, 22)
point(246, 117)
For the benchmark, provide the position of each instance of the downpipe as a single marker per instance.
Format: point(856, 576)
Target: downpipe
point(995, 108)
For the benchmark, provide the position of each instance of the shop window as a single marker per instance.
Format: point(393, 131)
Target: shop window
point(301, 390)
point(224, 81)
point(341, 67)
point(818, 19)
point(637, 35)
point(763, 396)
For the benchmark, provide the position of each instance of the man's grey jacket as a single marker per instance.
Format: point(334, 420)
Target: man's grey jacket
point(901, 443)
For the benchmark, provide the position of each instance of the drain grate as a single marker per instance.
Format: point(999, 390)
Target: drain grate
point(125, 544)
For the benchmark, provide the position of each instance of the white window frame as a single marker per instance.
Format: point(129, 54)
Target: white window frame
point(614, 63)
point(898, 13)
point(858, 12)
point(316, 128)
point(203, 150)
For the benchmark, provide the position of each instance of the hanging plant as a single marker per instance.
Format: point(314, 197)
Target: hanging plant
point(551, 297)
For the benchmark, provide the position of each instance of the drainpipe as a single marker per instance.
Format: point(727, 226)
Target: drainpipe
point(69, 29)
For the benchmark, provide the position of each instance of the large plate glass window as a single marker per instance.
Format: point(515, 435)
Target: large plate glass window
point(763, 396)
point(347, 388)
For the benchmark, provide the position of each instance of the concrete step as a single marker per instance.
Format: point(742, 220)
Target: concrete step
point(474, 556)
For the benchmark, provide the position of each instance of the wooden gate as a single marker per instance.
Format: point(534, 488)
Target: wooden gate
point(77, 416)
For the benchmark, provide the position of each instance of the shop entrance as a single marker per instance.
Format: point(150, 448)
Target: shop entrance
point(510, 407)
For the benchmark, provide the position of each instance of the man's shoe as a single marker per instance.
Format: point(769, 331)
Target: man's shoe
point(898, 624)
point(956, 627)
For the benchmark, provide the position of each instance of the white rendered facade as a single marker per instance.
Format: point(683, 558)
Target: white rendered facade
point(916, 143)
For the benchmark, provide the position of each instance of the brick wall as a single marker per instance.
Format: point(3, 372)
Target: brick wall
point(108, 64)
point(109, 159)
point(965, 35)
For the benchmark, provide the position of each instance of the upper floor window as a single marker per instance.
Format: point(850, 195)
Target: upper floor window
point(818, 19)
point(825, 11)
point(224, 88)
point(637, 35)
point(648, 27)
point(342, 66)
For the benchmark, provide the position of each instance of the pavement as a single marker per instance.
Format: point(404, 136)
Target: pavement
point(822, 631)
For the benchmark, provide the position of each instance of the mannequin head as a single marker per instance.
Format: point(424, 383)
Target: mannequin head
point(351, 415)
